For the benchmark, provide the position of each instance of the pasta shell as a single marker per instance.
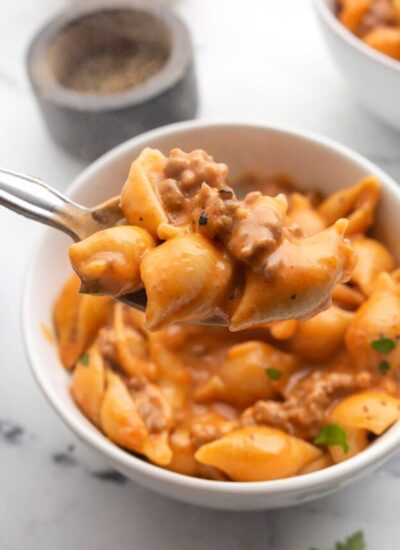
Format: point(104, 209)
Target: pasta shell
point(186, 278)
point(108, 261)
point(357, 204)
point(372, 259)
point(243, 377)
point(119, 418)
point(77, 319)
point(369, 410)
point(352, 12)
point(283, 330)
point(357, 440)
point(139, 201)
point(319, 338)
point(305, 215)
point(258, 453)
point(157, 448)
point(386, 40)
point(131, 346)
point(88, 384)
point(309, 269)
point(378, 317)
point(320, 463)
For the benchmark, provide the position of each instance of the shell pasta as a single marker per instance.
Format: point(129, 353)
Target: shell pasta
point(200, 252)
point(376, 22)
point(275, 399)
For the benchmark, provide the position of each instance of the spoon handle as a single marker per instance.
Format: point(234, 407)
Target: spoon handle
point(36, 200)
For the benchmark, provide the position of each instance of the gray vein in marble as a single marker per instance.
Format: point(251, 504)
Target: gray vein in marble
point(109, 475)
point(11, 433)
point(65, 458)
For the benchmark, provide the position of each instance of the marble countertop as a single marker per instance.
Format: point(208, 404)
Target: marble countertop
point(258, 60)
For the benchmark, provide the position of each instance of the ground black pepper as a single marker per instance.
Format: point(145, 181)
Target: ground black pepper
point(114, 69)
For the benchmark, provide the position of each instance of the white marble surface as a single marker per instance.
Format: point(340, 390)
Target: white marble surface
point(258, 60)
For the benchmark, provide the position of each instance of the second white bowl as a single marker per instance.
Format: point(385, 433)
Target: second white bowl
point(373, 77)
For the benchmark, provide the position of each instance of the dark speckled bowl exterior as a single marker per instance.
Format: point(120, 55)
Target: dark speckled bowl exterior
point(88, 125)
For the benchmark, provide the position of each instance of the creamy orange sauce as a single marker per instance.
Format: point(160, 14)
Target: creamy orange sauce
point(47, 333)
point(280, 399)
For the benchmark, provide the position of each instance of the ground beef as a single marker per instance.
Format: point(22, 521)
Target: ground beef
point(190, 170)
point(152, 408)
point(381, 13)
point(171, 194)
point(174, 201)
point(257, 230)
point(202, 433)
point(195, 193)
point(212, 212)
point(306, 404)
point(106, 342)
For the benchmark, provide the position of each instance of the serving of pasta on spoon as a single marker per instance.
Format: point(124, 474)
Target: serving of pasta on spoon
point(201, 254)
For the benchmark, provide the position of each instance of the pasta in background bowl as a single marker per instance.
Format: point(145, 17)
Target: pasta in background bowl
point(372, 76)
point(316, 164)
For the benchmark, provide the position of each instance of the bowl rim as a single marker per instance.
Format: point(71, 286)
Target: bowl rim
point(337, 27)
point(311, 482)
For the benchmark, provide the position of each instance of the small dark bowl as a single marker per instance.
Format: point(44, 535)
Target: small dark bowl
point(86, 123)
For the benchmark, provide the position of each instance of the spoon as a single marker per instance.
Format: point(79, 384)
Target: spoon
point(38, 201)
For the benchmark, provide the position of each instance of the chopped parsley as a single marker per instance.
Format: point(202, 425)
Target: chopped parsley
point(332, 434)
point(84, 360)
point(355, 542)
point(383, 345)
point(273, 374)
point(203, 219)
point(384, 366)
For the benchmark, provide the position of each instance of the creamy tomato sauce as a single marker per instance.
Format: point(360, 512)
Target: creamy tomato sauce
point(281, 399)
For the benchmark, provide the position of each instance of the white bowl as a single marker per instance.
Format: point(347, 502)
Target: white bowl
point(372, 76)
point(316, 163)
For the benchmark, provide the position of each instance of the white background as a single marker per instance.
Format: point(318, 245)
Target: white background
point(260, 60)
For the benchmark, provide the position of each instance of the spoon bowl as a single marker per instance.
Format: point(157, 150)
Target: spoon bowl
point(36, 200)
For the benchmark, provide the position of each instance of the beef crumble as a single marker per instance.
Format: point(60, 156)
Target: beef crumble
point(307, 403)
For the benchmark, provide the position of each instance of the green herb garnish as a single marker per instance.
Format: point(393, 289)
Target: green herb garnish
point(384, 366)
point(84, 359)
point(383, 345)
point(203, 219)
point(273, 374)
point(332, 434)
point(355, 542)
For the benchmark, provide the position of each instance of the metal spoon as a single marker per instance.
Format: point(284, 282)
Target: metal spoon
point(36, 200)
